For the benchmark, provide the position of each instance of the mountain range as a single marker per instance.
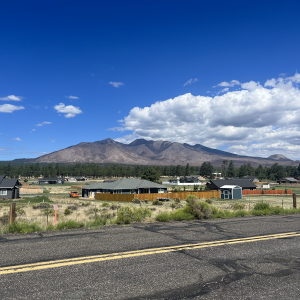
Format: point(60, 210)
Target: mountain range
point(145, 152)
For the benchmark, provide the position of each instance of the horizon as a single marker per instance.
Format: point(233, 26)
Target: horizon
point(222, 75)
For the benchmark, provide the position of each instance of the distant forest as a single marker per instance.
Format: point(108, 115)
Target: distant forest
point(274, 172)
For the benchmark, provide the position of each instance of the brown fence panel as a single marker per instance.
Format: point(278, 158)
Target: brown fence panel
point(267, 192)
point(31, 191)
point(152, 197)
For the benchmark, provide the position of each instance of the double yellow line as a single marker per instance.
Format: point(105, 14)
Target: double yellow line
point(112, 256)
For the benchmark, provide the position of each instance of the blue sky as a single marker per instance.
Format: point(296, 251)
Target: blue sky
point(219, 73)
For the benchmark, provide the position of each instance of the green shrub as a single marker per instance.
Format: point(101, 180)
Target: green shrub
point(261, 212)
point(190, 197)
point(50, 227)
point(4, 220)
point(69, 224)
point(72, 207)
point(209, 201)
point(261, 206)
point(181, 215)
point(22, 227)
point(105, 204)
point(136, 200)
point(286, 191)
point(157, 202)
point(163, 217)
point(146, 201)
point(99, 222)
point(176, 200)
point(85, 203)
point(115, 206)
point(241, 213)
point(68, 212)
point(277, 210)
point(238, 206)
point(126, 215)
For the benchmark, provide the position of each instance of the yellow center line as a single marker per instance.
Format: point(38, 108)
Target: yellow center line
point(113, 256)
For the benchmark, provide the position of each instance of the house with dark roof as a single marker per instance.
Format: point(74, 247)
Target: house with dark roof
point(216, 184)
point(9, 187)
point(190, 179)
point(288, 180)
point(123, 186)
point(54, 180)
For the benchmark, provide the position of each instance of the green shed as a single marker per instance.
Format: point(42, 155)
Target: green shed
point(231, 192)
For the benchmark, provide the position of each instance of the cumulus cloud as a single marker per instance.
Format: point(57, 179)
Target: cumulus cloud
point(230, 84)
point(70, 111)
point(9, 108)
point(190, 81)
point(11, 98)
point(72, 97)
point(256, 120)
point(16, 139)
point(116, 84)
point(43, 123)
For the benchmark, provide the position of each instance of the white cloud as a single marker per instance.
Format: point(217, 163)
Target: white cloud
point(230, 84)
point(190, 81)
point(52, 141)
point(11, 98)
point(72, 97)
point(116, 84)
point(43, 123)
point(257, 120)
point(70, 111)
point(16, 139)
point(9, 108)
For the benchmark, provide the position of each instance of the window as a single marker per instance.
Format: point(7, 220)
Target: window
point(3, 192)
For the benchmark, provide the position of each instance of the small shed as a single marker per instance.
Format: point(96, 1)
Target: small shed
point(231, 192)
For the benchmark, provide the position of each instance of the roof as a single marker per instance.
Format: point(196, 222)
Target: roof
point(9, 183)
point(124, 184)
point(1, 177)
point(243, 183)
point(291, 179)
point(229, 186)
point(51, 179)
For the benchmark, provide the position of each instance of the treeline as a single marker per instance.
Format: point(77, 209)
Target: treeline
point(274, 172)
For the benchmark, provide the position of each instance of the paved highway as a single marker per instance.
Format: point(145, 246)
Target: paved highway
point(244, 258)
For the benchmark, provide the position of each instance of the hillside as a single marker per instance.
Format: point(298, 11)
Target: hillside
point(143, 152)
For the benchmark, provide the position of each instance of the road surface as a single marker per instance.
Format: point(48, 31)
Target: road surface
point(241, 258)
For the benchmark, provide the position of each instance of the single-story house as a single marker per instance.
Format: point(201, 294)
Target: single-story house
point(77, 178)
point(9, 187)
point(264, 185)
point(51, 180)
point(288, 180)
point(251, 178)
point(216, 184)
point(190, 179)
point(123, 186)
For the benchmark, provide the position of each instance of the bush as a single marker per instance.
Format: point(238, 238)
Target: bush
point(68, 212)
point(261, 206)
point(85, 203)
point(105, 204)
point(72, 207)
point(261, 212)
point(190, 197)
point(181, 215)
point(241, 213)
point(209, 201)
point(22, 227)
point(69, 224)
point(126, 215)
point(114, 206)
point(4, 220)
point(176, 200)
point(146, 201)
point(136, 200)
point(238, 206)
point(99, 222)
point(277, 210)
point(157, 202)
point(163, 217)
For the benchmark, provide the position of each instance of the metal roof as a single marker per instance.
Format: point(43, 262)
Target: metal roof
point(229, 186)
point(124, 184)
point(1, 177)
point(9, 183)
point(244, 183)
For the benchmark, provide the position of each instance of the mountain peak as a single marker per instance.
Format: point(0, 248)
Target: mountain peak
point(107, 141)
point(278, 157)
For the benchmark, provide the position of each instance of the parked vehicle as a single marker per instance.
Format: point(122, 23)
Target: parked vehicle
point(74, 194)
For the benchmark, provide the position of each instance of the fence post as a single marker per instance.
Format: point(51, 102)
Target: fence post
point(294, 201)
point(12, 213)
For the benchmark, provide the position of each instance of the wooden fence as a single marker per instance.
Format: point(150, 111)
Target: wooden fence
point(31, 191)
point(152, 197)
point(267, 192)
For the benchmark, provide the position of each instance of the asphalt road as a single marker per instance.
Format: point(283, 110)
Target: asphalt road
point(253, 268)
